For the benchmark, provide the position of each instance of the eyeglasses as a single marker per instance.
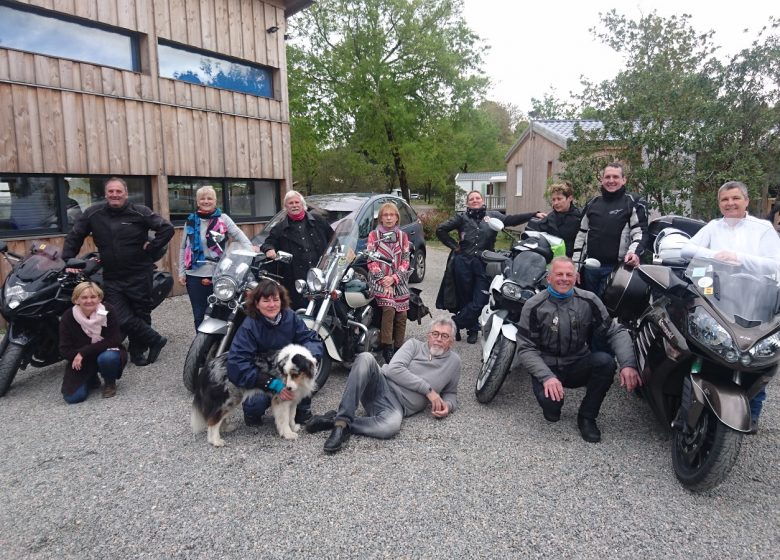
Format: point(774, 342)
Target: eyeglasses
point(441, 335)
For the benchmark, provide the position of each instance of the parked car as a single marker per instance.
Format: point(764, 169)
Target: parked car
point(414, 195)
point(364, 209)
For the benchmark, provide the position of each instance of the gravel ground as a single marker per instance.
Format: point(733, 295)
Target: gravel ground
point(125, 478)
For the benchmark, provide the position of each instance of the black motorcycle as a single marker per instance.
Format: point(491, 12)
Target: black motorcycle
point(36, 293)
point(707, 338)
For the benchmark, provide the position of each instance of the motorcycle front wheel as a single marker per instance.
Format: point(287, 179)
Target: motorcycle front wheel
point(9, 365)
point(494, 370)
point(203, 348)
point(703, 458)
point(323, 372)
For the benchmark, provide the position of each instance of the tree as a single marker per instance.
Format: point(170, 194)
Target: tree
point(682, 121)
point(385, 72)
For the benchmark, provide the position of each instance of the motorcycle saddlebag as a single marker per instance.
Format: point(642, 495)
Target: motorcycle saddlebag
point(627, 295)
point(162, 282)
point(417, 309)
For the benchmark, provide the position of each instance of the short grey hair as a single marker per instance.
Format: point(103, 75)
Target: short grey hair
point(205, 189)
point(291, 194)
point(563, 259)
point(444, 321)
point(728, 185)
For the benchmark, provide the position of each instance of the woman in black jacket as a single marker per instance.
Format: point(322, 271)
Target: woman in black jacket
point(564, 220)
point(301, 233)
point(465, 268)
point(91, 342)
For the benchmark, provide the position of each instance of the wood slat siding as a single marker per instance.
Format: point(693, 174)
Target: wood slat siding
point(71, 117)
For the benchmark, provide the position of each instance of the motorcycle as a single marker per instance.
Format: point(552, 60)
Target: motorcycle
point(237, 273)
point(707, 341)
point(36, 293)
point(517, 275)
point(340, 305)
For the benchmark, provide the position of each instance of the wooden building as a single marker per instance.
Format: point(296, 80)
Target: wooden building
point(534, 160)
point(168, 94)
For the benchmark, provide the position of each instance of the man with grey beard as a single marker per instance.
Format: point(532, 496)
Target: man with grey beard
point(419, 373)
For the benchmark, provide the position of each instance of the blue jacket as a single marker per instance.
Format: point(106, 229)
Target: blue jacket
point(257, 336)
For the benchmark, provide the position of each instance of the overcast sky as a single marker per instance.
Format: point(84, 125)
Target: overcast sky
point(535, 45)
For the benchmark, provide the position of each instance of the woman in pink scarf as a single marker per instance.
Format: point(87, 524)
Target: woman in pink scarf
point(390, 283)
point(91, 342)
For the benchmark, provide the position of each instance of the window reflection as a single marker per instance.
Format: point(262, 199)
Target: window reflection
point(211, 70)
point(181, 196)
point(34, 32)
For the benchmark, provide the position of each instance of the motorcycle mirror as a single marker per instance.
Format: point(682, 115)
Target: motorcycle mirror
point(495, 224)
point(284, 256)
point(663, 278)
point(592, 263)
point(79, 264)
point(389, 237)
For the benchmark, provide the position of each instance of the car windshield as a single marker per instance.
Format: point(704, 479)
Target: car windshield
point(735, 291)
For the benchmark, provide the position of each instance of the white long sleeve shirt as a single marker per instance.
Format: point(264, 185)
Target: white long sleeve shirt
point(755, 242)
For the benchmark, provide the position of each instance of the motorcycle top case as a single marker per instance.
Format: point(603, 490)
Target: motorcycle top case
point(162, 282)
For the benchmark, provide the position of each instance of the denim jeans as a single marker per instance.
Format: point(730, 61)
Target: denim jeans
point(595, 279)
point(596, 372)
point(255, 407)
point(368, 386)
point(109, 364)
point(198, 294)
point(757, 403)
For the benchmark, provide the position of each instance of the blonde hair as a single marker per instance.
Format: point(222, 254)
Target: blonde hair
point(389, 206)
point(83, 287)
point(205, 189)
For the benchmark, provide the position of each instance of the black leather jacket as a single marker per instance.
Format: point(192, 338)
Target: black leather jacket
point(474, 233)
point(119, 235)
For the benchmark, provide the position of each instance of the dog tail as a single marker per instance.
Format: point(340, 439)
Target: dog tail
point(197, 420)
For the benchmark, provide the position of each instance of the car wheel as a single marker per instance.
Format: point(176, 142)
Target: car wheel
point(419, 267)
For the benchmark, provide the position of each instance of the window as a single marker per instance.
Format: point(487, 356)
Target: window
point(189, 65)
point(26, 29)
point(519, 179)
point(49, 205)
point(242, 200)
point(549, 169)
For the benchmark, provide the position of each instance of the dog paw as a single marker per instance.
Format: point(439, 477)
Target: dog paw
point(290, 435)
point(218, 443)
point(296, 427)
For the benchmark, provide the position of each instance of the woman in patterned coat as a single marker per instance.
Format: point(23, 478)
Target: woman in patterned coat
point(390, 283)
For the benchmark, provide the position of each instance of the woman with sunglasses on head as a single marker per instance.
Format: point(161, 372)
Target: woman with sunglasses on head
point(206, 235)
point(389, 277)
point(91, 342)
point(270, 326)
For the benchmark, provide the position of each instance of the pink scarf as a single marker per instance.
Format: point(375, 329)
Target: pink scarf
point(297, 217)
point(92, 325)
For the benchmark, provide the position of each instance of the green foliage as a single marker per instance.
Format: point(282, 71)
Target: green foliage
point(381, 74)
point(683, 122)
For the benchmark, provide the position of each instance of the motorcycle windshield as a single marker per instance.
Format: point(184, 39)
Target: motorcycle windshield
point(235, 263)
point(527, 268)
point(340, 253)
point(35, 266)
point(734, 291)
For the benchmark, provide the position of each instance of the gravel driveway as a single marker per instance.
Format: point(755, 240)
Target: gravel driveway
point(126, 478)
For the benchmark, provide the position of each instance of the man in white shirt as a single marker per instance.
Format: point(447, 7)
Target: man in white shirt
point(741, 239)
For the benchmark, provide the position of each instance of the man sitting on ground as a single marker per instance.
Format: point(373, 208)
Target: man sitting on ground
point(419, 373)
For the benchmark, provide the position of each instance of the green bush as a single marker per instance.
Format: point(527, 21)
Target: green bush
point(431, 219)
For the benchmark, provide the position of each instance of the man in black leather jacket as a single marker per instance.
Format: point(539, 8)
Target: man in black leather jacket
point(120, 230)
point(465, 264)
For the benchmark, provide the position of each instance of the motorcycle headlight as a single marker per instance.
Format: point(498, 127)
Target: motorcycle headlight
point(15, 295)
point(707, 331)
point(315, 280)
point(300, 286)
point(766, 349)
point(511, 290)
point(225, 289)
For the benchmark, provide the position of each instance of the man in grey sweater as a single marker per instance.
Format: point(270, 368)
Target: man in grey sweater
point(419, 373)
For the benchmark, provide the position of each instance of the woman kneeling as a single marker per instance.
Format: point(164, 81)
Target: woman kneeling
point(91, 342)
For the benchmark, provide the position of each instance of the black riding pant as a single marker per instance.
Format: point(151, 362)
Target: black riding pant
point(131, 297)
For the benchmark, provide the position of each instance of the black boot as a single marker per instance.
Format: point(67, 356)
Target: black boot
point(588, 429)
point(387, 353)
point(337, 438)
